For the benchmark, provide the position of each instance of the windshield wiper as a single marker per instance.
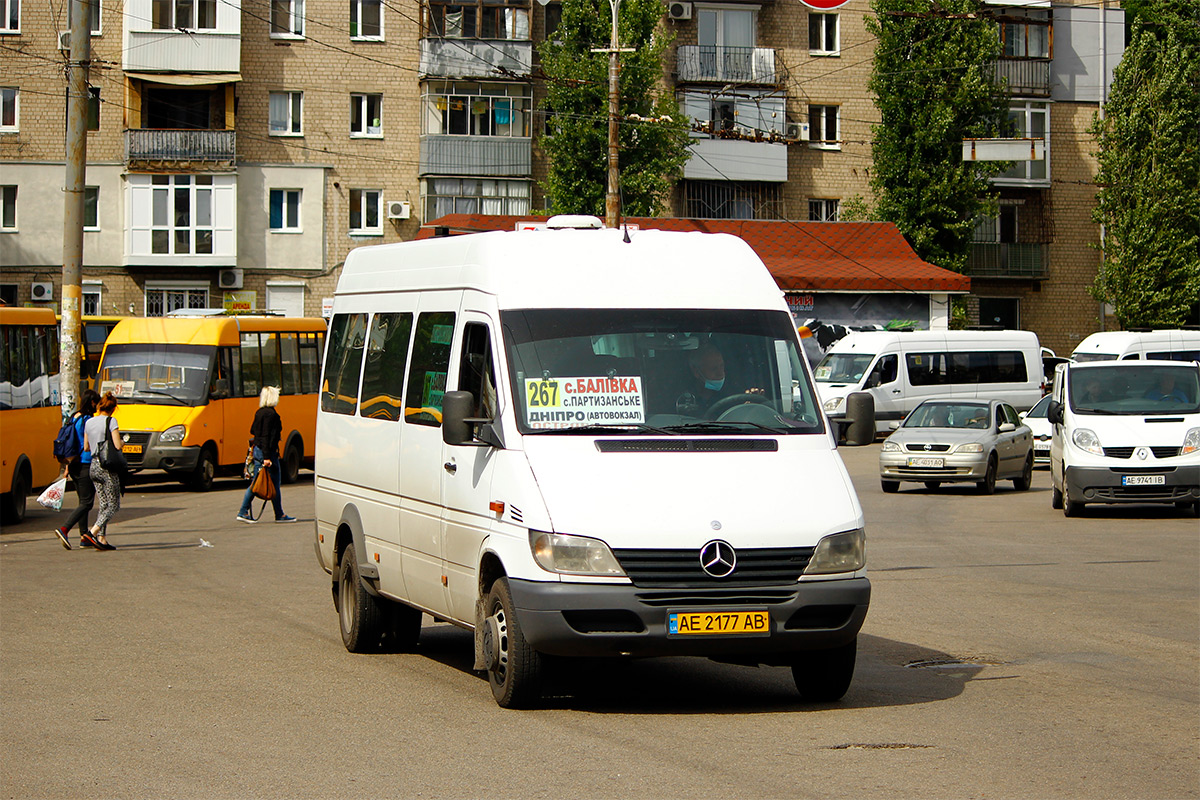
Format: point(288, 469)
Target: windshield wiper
point(179, 400)
point(607, 429)
point(717, 426)
point(1102, 411)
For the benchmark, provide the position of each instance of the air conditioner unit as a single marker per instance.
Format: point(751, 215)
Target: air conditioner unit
point(797, 130)
point(230, 278)
point(42, 291)
point(678, 10)
point(398, 209)
point(64, 40)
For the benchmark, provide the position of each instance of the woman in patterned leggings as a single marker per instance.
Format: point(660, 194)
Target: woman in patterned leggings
point(108, 484)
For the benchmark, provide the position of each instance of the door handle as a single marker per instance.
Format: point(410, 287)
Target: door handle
point(450, 467)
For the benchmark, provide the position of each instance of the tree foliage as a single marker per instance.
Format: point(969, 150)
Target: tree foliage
point(652, 151)
point(1149, 174)
point(934, 85)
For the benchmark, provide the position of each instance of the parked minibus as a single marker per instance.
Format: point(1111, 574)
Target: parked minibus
point(583, 442)
point(1171, 345)
point(189, 386)
point(30, 412)
point(901, 369)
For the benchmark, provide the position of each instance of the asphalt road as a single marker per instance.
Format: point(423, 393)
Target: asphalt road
point(1009, 653)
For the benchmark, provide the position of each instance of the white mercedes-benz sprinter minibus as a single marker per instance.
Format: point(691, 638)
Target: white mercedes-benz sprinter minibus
point(902, 369)
point(583, 443)
point(1170, 345)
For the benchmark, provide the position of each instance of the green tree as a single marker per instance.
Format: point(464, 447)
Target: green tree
point(1149, 174)
point(934, 86)
point(652, 139)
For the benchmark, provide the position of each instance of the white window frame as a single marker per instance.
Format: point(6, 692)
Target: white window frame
point(187, 288)
point(8, 200)
point(828, 210)
point(365, 199)
point(198, 187)
point(94, 16)
point(293, 123)
point(487, 193)
point(824, 22)
point(7, 9)
point(299, 205)
point(10, 97)
point(362, 102)
point(1025, 173)
point(356, 7)
point(94, 191)
point(93, 289)
point(719, 11)
point(818, 127)
point(192, 22)
point(295, 16)
point(512, 101)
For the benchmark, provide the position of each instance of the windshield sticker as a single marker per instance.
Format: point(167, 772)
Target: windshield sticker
point(823, 373)
point(118, 388)
point(566, 402)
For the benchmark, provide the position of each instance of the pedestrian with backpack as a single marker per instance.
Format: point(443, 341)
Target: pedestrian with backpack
point(78, 467)
point(101, 436)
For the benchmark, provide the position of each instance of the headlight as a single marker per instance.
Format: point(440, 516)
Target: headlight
point(833, 404)
point(969, 447)
point(841, 552)
point(175, 433)
point(573, 555)
point(1191, 442)
point(1087, 440)
point(890, 447)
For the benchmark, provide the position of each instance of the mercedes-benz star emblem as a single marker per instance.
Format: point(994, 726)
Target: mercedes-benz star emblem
point(717, 558)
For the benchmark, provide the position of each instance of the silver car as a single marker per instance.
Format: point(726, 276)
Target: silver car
point(958, 440)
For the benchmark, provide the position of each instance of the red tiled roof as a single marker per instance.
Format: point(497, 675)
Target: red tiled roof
point(802, 256)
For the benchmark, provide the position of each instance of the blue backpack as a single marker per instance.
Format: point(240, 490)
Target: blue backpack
point(66, 443)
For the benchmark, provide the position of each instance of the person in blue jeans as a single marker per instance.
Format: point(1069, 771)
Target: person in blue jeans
point(266, 429)
point(79, 468)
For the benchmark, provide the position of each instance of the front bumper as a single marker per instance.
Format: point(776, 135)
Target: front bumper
point(574, 619)
point(1104, 485)
point(955, 467)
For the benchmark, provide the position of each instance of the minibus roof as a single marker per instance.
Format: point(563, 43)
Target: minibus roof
point(874, 341)
point(1117, 342)
point(572, 269)
point(204, 330)
point(17, 315)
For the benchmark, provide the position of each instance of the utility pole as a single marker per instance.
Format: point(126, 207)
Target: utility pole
point(612, 202)
point(79, 61)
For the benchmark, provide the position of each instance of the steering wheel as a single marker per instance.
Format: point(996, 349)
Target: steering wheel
point(725, 403)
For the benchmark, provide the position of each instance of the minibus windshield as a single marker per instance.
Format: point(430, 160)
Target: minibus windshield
point(842, 367)
point(656, 371)
point(1135, 390)
point(157, 374)
point(1083, 358)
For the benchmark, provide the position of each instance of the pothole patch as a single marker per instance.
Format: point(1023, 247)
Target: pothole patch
point(880, 746)
point(954, 663)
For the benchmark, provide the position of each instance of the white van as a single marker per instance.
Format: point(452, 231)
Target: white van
point(1125, 432)
point(1169, 345)
point(902, 369)
point(526, 434)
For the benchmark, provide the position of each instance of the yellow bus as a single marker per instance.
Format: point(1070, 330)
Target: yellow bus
point(30, 412)
point(188, 388)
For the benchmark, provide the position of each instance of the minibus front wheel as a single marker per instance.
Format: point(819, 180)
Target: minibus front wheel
point(206, 469)
point(514, 668)
point(823, 676)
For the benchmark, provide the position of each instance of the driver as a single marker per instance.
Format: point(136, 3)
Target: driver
point(707, 384)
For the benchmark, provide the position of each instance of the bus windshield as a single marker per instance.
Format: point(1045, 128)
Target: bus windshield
point(658, 371)
point(842, 367)
point(1138, 391)
point(157, 374)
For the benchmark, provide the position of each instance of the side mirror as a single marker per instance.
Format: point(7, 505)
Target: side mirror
point(894, 425)
point(458, 428)
point(1054, 412)
point(860, 416)
point(1007, 427)
point(220, 389)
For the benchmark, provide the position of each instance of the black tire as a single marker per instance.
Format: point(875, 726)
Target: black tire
point(823, 676)
point(15, 502)
point(206, 469)
point(514, 668)
point(889, 487)
point(1071, 508)
point(1055, 498)
point(289, 466)
point(933, 485)
point(1189, 508)
point(401, 628)
point(361, 616)
point(988, 484)
point(1023, 483)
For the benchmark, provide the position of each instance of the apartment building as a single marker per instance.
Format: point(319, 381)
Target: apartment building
point(238, 150)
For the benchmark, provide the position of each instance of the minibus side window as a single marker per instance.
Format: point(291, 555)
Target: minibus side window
point(883, 372)
point(430, 362)
point(251, 366)
point(476, 373)
point(339, 393)
point(926, 369)
point(270, 359)
point(289, 364)
point(312, 345)
point(383, 373)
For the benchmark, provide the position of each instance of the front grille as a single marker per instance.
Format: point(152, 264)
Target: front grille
point(927, 448)
point(1165, 452)
point(715, 598)
point(139, 438)
point(755, 567)
point(687, 445)
point(928, 472)
point(1127, 452)
point(1146, 493)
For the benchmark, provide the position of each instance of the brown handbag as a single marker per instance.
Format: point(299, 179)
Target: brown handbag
point(263, 487)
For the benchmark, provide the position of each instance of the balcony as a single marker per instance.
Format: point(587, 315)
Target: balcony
point(476, 58)
point(181, 146)
point(719, 64)
point(736, 160)
point(1008, 260)
point(480, 156)
point(183, 51)
point(1026, 77)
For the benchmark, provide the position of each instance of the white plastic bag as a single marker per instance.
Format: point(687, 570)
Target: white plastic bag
point(53, 496)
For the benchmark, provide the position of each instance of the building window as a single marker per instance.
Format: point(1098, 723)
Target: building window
point(8, 293)
point(93, 16)
point(286, 113)
point(475, 109)
point(364, 212)
point(733, 200)
point(1026, 33)
point(93, 108)
point(366, 113)
point(287, 18)
point(91, 208)
point(182, 214)
point(366, 19)
point(8, 208)
point(183, 14)
point(10, 107)
point(823, 34)
point(553, 11)
point(823, 127)
point(474, 196)
point(490, 19)
point(823, 210)
point(11, 22)
point(162, 300)
point(1029, 120)
point(285, 210)
point(91, 301)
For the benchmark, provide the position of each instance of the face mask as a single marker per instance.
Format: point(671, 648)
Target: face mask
point(714, 385)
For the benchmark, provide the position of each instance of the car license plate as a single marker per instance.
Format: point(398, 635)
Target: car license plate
point(1042, 448)
point(131, 448)
point(926, 461)
point(726, 623)
point(1143, 480)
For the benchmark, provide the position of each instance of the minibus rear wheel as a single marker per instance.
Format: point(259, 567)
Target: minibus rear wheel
point(291, 463)
point(514, 668)
point(360, 616)
point(823, 676)
point(17, 497)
